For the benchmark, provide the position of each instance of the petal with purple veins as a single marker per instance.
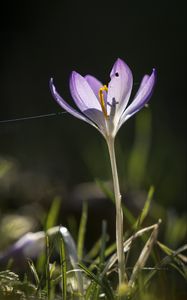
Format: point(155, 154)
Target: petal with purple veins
point(94, 83)
point(86, 100)
point(120, 86)
point(66, 106)
point(143, 82)
point(82, 93)
point(142, 97)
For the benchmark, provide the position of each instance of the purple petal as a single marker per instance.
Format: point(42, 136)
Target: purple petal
point(29, 245)
point(143, 82)
point(120, 86)
point(82, 93)
point(142, 96)
point(85, 99)
point(66, 106)
point(94, 83)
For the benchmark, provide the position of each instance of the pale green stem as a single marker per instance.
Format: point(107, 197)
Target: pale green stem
point(119, 212)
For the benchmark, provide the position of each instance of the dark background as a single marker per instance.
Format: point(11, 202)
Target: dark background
point(40, 39)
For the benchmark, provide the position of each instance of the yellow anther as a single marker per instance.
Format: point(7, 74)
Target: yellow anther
point(102, 100)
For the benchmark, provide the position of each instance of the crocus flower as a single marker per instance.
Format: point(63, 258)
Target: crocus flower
point(32, 244)
point(29, 245)
point(106, 107)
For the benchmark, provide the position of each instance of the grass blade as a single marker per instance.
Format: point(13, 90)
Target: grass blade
point(90, 290)
point(144, 255)
point(53, 213)
point(101, 258)
point(94, 250)
point(97, 280)
point(127, 244)
point(33, 269)
point(47, 265)
point(167, 260)
point(63, 268)
point(82, 231)
point(103, 243)
point(139, 154)
point(145, 209)
point(72, 253)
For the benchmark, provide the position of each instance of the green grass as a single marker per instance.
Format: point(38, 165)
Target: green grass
point(68, 272)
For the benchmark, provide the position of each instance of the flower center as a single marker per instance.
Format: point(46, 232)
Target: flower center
point(102, 100)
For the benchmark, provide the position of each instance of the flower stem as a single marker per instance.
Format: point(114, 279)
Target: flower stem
point(119, 212)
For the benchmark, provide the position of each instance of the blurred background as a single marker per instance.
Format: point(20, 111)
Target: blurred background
point(61, 156)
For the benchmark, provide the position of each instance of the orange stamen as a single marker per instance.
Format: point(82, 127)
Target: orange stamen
point(102, 101)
